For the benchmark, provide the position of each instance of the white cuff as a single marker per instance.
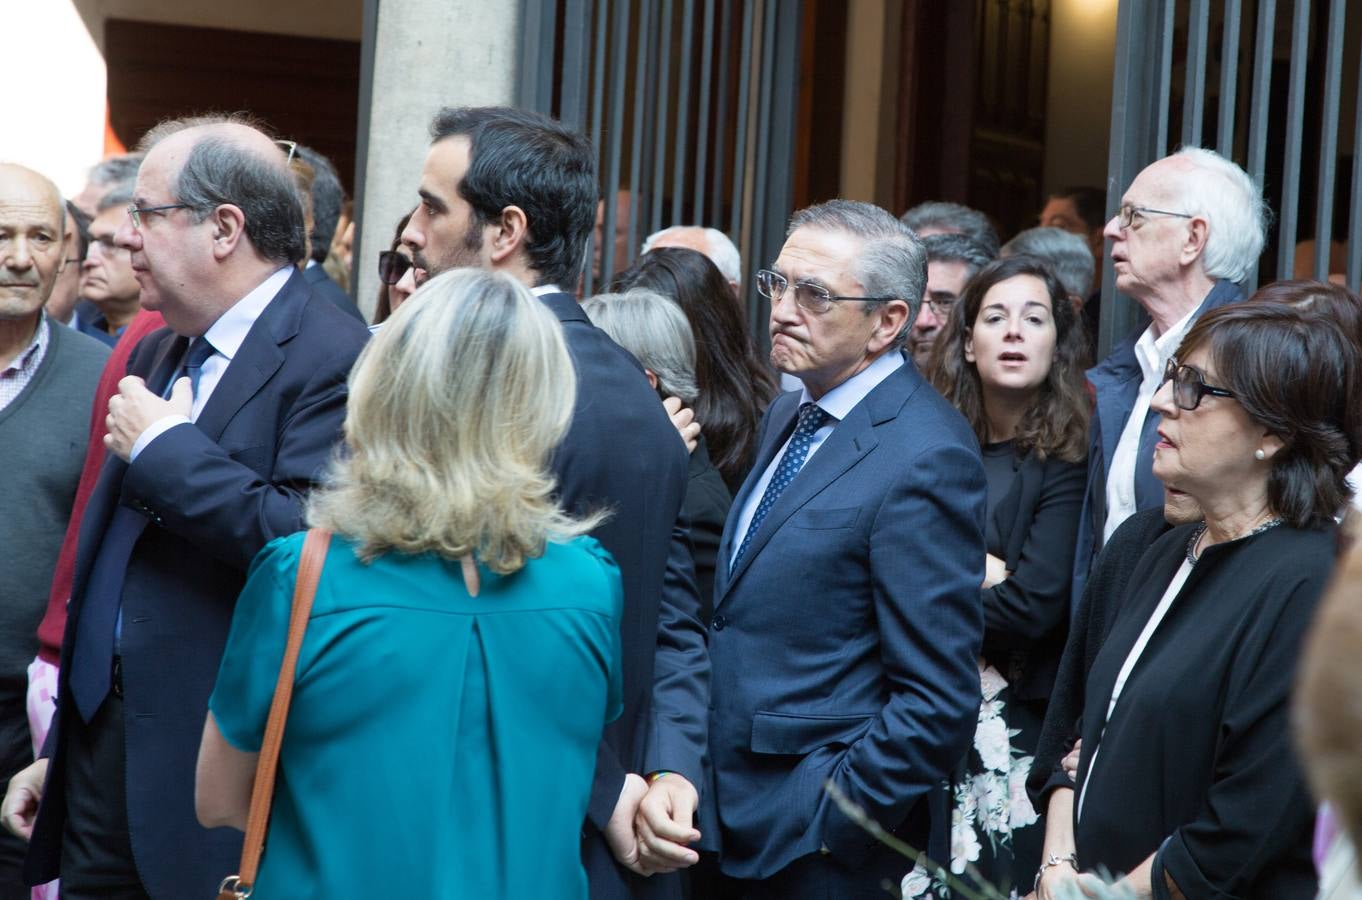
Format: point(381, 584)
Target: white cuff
point(155, 430)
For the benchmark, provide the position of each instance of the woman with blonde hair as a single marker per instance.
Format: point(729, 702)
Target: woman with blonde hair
point(462, 655)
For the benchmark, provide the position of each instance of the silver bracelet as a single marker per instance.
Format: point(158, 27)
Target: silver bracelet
point(1071, 859)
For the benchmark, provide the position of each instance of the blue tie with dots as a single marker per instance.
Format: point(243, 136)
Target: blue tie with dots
point(811, 418)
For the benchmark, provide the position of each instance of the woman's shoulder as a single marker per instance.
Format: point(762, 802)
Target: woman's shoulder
point(584, 552)
point(580, 572)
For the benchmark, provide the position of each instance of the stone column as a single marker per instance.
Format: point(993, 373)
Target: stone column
point(426, 54)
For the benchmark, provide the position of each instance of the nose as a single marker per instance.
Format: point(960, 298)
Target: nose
point(926, 318)
point(20, 255)
point(1163, 401)
point(412, 235)
point(128, 237)
point(1014, 331)
point(784, 308)
point(1113, 230)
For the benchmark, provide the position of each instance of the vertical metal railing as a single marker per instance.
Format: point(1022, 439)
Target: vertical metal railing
point(1295, 109)
point(691, 105)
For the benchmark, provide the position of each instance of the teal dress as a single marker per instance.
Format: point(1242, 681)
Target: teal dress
point(439, 745)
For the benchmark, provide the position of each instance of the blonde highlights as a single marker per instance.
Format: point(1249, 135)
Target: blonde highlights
point(455, 407)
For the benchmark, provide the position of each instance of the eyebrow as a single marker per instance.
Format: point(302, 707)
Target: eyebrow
point(1028, 304)
point(433, 200)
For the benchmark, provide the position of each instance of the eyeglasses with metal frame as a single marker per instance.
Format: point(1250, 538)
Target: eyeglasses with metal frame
point(392, 265)
point(136, 212)
point(1189, 385)
point(1127, 213)
point(809, 297)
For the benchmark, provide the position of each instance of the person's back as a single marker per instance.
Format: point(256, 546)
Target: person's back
point(429, 728)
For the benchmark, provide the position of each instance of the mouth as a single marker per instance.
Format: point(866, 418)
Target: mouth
point(1165, 442)
point(1011, 356)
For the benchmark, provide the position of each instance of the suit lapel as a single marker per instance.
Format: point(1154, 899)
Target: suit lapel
point(257, 359)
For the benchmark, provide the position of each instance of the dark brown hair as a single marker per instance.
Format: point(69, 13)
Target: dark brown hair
point(1296, 374)
point(736, 385)
point(1323, 299)
point(1057, 422)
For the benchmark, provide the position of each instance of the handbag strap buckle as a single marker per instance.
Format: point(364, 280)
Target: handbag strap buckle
point(232, 889)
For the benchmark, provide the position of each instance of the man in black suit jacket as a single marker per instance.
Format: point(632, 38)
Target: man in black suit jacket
point(327, 198)
point(224, 421)
point(516, 191)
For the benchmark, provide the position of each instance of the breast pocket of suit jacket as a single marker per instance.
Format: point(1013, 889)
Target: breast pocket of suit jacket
point(826, 519)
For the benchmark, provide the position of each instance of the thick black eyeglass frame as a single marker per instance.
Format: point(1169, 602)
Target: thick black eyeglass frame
point(1189, 379)
point(392, 266)
point(822, 298)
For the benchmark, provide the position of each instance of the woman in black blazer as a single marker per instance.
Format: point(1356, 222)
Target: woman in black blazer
point(1187, 781)
point(1012, 362)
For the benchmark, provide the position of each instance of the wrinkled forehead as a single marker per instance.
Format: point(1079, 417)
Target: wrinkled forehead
point(27, 195)
point(1161, 182)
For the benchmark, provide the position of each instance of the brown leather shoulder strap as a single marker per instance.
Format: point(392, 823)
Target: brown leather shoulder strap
point(262, 793)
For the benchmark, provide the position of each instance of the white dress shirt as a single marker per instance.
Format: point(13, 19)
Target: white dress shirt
point(837, 403)
point(1152, 354)
point(226, 335)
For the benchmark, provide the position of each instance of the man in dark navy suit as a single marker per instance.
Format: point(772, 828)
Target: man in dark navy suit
point(516, 191)
point(847, 621)
point(224, 421)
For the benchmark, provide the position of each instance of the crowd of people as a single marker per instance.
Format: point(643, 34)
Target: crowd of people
point(606, 612)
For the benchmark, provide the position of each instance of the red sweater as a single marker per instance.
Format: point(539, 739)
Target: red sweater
point(54, 621)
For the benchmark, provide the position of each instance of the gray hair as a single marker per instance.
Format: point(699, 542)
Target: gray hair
point(220, 170)
point(656, 331)
point(116, 169)
point(120, 193)
point(718, 247)
point(959, 248)
point(892, 261)
point(1065, 253)
point(956, 217)
point(328, 196)
point(1232, 204)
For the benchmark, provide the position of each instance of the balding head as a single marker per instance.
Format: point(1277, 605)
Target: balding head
point(32, 245)
point(219, 213)
point(709, 241)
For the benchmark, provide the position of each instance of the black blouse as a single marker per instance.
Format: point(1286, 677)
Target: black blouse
point(1196, 761)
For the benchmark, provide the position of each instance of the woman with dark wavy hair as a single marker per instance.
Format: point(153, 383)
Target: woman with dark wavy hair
point(736, 384)
point(1011, 361)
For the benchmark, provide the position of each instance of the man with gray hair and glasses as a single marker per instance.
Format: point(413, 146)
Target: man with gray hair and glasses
point(843, 645)
point(952, 262)
point(224, 421)
point(1188, 232)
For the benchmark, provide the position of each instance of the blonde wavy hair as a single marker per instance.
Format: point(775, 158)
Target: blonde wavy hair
point(455, 406)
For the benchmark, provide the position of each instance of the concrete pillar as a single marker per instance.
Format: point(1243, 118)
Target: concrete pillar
point(426, 54)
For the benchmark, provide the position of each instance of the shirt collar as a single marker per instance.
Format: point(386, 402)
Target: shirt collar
point(546, 289)
point(230, 330)
point(1153, 353)
point(840, 401)
point(41, 335)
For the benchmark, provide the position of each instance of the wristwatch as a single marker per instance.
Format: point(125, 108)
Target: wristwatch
point(1051, 862)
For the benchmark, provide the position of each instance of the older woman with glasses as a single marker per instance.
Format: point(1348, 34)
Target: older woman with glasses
point(1186, 779)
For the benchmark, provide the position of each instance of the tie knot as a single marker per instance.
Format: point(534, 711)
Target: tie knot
point(199, 351)
point(811, 418)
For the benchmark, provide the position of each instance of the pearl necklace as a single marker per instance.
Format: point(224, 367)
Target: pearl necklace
point(1192, 555)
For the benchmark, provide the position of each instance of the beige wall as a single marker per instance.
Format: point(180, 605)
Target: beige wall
point(1078, 104)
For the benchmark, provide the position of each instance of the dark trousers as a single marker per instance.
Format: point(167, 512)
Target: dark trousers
point(96, 852)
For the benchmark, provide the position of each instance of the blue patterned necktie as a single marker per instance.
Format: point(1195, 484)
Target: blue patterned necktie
point(811, 418)
point(97, 628)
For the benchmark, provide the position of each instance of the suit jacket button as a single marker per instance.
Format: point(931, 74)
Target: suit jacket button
point(718, 623)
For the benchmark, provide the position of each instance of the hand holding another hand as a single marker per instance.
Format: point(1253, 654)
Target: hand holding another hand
point(664, 824)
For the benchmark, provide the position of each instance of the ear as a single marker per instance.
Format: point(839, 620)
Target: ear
point(1271, 444)
point(229, 229)
point(969, 345)
point(512, 233)
point(652, 377)
point(1195, 242)
point(890, 321)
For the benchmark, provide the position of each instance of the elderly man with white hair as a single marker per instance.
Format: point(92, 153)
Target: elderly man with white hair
point(1189, 229)
point(710, 241)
